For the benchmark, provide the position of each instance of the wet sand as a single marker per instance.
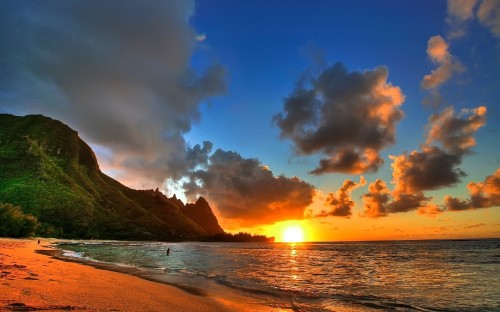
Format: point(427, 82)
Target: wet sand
point(33, 281)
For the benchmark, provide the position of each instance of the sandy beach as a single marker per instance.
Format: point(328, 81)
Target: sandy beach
point(31, 281)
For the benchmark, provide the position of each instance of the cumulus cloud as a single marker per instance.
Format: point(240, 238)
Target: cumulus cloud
point(376, 200)
point(117, 71)
point(456, 131)
point(428, 169)
point(198, 155)
point(482, 195)
point(340, 202)
point(436, 165)
point(404, 202)
point(437, 50)
point(380, 201)
point(244, 190)
point(347, 116)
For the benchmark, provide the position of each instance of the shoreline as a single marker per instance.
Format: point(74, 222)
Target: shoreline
point(34, 278)
point(58, 255)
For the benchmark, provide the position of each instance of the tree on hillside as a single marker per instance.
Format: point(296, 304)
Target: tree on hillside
point(14, 223)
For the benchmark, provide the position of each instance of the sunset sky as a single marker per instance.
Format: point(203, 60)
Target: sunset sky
point(354, 120)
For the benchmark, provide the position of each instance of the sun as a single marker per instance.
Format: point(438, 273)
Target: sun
point(293, 234)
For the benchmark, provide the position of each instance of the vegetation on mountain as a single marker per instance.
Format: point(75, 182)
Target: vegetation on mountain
point(14, 223)
point(46, 169)
point(51, 185)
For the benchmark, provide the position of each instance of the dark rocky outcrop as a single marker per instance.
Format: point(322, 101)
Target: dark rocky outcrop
point(201, 213)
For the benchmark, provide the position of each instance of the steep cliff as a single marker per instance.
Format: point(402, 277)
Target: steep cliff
point(52, 174)
point(202, 214)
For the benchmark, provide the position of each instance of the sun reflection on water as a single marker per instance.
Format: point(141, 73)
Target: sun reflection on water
point(294, 269)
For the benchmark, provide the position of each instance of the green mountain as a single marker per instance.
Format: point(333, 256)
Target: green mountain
point(47, 170)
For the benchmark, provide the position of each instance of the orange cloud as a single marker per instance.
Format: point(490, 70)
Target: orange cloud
point(246, 192)
point(455, 131)
point(431, 168)
point(346, 116)
point(434, 167)
point(350, 160)
point(482, 195)
point(379, 202)
point(340, 202)
point(376, 200)
point(437, 50)
point(430, 210)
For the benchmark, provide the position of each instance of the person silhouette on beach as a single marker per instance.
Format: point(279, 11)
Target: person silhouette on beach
point(38, 242)
point(168, 251)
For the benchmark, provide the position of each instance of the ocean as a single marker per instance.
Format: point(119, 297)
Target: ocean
point(432, 275)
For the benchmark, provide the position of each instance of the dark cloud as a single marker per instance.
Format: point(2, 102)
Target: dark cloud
point(433, 167)
point(340, 202)
point(380, 201)
point(429, 169)
point(408, 202)
point(350, 161)
point(455, 131)
point(348, 116)
point(117, 71)
point(199, 155)
point(482, 195)
point(244, 190)
point(376, 200)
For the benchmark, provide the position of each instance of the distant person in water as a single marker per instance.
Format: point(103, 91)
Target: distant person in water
point(168, 251)
point(38, 242)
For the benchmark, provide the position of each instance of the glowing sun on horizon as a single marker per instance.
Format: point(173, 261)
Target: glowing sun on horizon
point(293, 234)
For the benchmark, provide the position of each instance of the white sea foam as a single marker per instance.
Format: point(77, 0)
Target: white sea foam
point(73, 254)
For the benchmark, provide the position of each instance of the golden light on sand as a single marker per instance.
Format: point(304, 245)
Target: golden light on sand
point(293, 234)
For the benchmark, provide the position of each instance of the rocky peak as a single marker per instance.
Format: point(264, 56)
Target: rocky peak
point(201, 213)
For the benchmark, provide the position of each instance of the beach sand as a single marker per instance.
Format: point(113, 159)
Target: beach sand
point(31, 281)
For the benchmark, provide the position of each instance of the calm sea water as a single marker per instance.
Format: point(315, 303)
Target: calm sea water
point(359, 276)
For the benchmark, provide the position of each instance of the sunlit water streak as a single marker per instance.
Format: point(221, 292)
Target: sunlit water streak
point(360, 276)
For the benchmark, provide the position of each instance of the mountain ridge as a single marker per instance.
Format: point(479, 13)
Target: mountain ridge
point(52, 174)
